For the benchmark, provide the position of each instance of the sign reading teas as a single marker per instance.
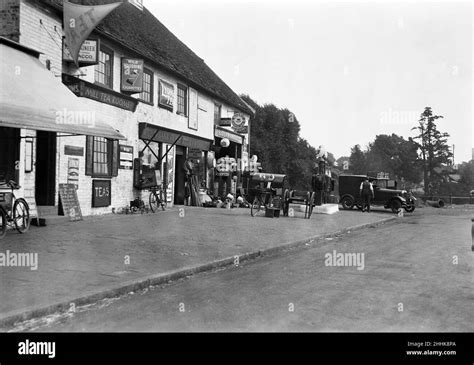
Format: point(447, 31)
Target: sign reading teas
point(101, 193)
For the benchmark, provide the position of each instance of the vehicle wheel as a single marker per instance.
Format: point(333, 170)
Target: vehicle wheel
point(359, 206)
point(409, 208)
point(286, 202)
point(395, 205)
point(347, 202)
point(154, 203)
point(3, 223)
point(21, 215)
point(311, 204)
point(256, 207)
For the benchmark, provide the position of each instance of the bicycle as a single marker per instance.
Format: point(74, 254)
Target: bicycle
point(157, 199)
point(13, 212)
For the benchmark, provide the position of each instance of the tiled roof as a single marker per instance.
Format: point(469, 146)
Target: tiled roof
point(146, 35)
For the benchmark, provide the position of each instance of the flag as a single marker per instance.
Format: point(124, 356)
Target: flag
point(80, 21)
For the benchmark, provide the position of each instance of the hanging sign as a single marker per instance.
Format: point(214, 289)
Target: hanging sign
point(166, 95)
point(88, 53)
point(132, 75)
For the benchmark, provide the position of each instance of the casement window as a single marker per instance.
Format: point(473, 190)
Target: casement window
point(182, 100)
point(147, 94)
point(217, 114)
point(103, 70)
point(102, 156)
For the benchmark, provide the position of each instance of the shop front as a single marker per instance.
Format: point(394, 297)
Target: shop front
point(230, 165)
point(33, 116)
point(178, 158)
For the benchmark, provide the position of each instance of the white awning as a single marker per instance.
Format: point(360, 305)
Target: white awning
point(31, 97)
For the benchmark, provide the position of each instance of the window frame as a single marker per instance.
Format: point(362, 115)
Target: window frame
point(110, 52)
point(186, 100)
point(112, 157)
point(152, 85)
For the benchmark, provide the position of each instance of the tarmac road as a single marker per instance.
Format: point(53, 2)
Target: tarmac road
point(417, 276)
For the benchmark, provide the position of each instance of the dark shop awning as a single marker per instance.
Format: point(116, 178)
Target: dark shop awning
point(31, 97)
point(151, 132)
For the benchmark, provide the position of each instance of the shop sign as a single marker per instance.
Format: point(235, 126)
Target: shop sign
point(194, 153)
point(193, 109)
point(73, 150)
point(132, 75)
point(88, 53)
point(225, 122)
point(169, 184)
point(126, 157)
point(242, 130)
point(238, 120)
point(223, 133)
point(70, 202)
point(101, 193)
point(87, 90)
point(73, 172)
point(166, 95)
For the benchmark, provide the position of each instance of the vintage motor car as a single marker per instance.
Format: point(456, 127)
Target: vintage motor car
point(385, 193)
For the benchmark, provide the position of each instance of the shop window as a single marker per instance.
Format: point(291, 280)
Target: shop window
point(217, 114)
point(182, 100)
point(102, 157)
point(103, 70)
point(147, 94)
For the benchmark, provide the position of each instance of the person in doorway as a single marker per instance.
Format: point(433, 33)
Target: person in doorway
point(367, 193)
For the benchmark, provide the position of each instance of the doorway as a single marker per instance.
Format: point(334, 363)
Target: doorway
point(179, 175)
point(9, 154)
point(45, 168)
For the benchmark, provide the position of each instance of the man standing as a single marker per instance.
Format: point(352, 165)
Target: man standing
point(367, 193)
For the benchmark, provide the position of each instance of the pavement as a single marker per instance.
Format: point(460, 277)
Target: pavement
point(106, 256)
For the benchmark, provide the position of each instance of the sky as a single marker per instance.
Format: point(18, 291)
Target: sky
point(347, 70)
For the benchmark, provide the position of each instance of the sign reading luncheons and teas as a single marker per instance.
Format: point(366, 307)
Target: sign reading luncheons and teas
point(88, 53)
point(132, 75)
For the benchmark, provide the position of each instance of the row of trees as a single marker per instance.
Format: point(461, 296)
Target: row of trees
point(425, 158)
point(276, 141)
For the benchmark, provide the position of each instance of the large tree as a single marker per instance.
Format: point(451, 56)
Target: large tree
point(358, 161)
point(433, 146)
point(274, 138)
point(395, 155)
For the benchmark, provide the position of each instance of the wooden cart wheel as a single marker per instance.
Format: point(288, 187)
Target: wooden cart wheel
point(311, 204)
point(286, 202)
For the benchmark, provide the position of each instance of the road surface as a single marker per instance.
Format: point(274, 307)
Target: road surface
point(416, 275)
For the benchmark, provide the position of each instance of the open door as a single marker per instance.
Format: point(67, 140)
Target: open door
point(45, 168)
